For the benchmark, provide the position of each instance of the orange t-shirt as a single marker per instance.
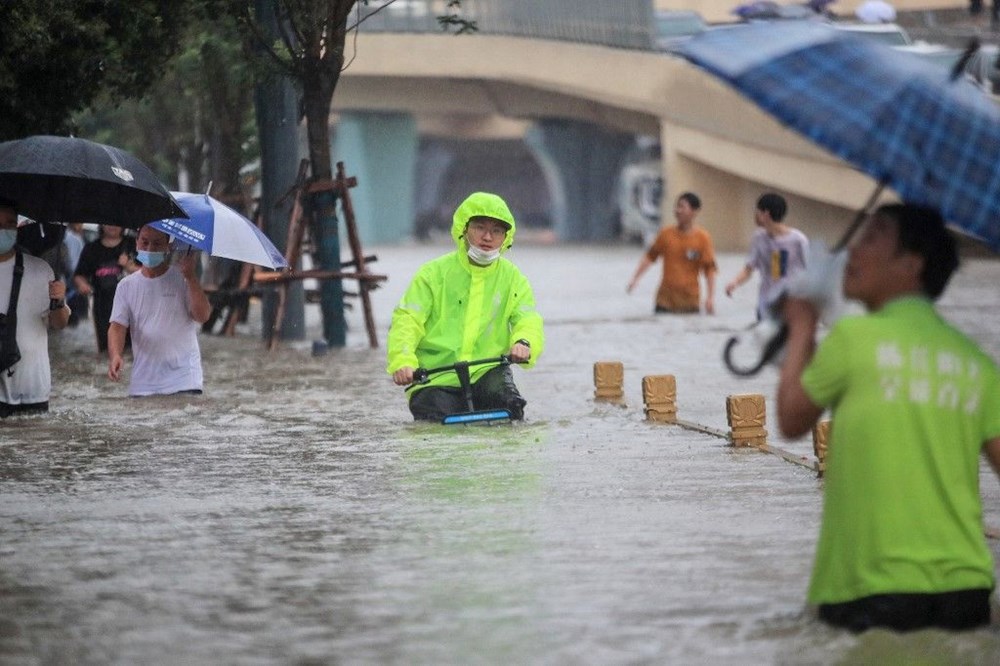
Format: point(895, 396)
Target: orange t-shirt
point(685, 254)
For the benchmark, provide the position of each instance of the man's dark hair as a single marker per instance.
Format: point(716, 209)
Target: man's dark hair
point(921, 230)
point(8, 203)
point(692, 199)
point(774, 205)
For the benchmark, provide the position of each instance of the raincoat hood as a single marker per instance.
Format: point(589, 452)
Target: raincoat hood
point(482, 204)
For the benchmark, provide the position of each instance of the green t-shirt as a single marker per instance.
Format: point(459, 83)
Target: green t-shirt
point(913, 401)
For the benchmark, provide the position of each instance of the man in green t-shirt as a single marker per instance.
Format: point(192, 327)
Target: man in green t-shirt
point(914, 404)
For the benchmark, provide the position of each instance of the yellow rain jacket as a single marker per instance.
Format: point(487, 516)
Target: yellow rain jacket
point(455, 310)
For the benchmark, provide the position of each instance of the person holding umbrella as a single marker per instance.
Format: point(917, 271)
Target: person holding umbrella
point(32, 301)
point(163, 307)
point(777, 252)
point(915, 402)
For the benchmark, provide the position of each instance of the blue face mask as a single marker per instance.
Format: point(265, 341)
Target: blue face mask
point(150, 259)
point(8, 237)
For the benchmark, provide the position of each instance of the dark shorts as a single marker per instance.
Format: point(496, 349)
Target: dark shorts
point(159, 395)
point(26, 408)
point(959, 610)
point(494, 390)
point(659, 309)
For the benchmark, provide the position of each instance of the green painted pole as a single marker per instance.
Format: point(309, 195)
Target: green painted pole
point(326, 253)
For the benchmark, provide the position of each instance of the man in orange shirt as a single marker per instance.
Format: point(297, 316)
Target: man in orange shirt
point(687, 251)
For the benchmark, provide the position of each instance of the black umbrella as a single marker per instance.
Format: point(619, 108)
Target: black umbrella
point(66, 179)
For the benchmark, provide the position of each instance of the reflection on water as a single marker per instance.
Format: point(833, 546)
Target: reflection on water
point(294, 513)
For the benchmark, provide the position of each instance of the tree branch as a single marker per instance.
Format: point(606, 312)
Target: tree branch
point(294, 42)
point(355, 25)
point(247, 18)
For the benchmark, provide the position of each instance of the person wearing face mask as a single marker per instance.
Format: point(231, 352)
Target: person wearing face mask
point(29, 283)
point(162, 306)
point(469, 304)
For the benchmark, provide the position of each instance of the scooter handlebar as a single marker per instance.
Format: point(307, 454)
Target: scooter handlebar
point(422, 375)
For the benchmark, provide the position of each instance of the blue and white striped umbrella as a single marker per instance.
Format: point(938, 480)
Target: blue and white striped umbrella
point(901, 120)
point(219, 230)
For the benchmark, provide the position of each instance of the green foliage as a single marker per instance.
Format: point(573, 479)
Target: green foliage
point(198, 117)
point(305, 40)
point(169, 80)
point(57, 57)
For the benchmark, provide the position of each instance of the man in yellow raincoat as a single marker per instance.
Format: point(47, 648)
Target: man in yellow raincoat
point(467, 305)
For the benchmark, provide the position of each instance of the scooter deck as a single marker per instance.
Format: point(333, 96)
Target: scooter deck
point(481, 416)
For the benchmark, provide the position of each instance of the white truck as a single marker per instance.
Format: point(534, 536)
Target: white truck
point(640, 189)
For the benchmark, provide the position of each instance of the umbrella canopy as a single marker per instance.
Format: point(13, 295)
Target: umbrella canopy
point(66, 179)
point(214, 227)
point(901, 120)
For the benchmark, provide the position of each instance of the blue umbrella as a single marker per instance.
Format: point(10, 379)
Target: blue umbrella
point(219, 230)
point(905, 122)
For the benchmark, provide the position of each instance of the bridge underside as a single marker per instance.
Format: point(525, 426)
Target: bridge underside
point(583, 105)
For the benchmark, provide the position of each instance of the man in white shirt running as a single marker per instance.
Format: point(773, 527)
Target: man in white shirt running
point(163, 306)
point(777, 252)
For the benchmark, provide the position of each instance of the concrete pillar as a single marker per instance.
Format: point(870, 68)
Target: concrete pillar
point(430, 178)
point(380, 149)
point(581, 162)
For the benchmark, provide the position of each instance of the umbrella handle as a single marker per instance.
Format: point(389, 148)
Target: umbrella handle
point(859, 218)
point(970, 50)
point(770, 335)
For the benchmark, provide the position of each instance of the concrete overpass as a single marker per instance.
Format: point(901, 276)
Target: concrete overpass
point(585, 101)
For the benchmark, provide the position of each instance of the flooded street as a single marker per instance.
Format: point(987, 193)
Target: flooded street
point(295, 514)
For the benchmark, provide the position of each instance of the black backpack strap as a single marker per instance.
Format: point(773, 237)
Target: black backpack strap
point(9, 353)
point(15, 284)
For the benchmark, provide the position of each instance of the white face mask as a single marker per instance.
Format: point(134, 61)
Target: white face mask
point(482, 257)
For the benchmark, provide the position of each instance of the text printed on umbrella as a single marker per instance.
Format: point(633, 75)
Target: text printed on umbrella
point(124, 174)
point(184, 230)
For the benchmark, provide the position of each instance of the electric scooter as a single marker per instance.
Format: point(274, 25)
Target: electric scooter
point(489, 416)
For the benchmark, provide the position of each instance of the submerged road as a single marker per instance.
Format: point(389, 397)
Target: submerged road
point(295, 515)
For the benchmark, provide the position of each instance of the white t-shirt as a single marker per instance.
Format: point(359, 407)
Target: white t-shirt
point(31, 380)
point(166, 357)
point(776, 259)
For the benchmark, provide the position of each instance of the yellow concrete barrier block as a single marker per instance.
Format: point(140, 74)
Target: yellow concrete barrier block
point(747, 416)
point(659, 395)
point(609, 382)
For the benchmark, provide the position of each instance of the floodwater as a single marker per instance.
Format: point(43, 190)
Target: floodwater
point(296, 515)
